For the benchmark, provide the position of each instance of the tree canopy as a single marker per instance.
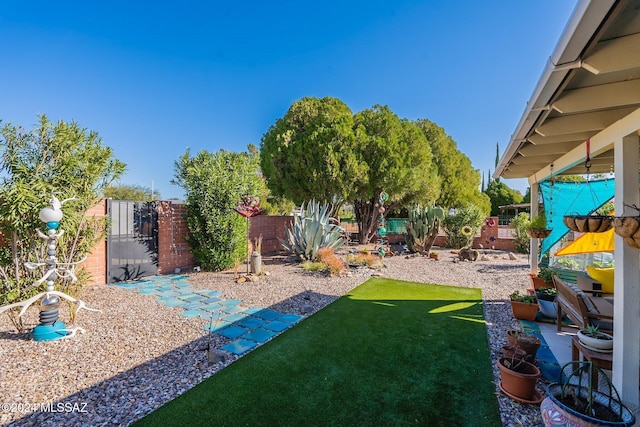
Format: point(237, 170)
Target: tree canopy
point(311, 152)
point(399, 162)
point(132, 192)
point(501, 194)
point(459, 181)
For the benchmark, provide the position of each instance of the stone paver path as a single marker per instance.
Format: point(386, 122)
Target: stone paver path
point(246, 327)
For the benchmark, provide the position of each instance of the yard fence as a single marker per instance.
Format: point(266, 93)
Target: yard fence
point(173, 251)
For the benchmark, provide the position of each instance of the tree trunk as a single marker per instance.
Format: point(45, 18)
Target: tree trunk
point(367, 217)
point(432, 238)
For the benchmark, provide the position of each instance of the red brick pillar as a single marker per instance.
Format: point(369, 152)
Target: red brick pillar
point(96, 262)
point(173, 249)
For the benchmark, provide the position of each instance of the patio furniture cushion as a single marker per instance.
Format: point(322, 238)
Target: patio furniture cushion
point(602, 275)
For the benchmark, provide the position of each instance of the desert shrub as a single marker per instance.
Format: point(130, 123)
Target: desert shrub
point(519, 225)
point(313, 266)
point(329, 258)
point(463, 226)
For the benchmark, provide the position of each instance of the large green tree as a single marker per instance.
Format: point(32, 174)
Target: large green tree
point(63, 158)
point(399, 162)
point(214, 183)
point(460, 182)
point(311, 152)
point(501, 194)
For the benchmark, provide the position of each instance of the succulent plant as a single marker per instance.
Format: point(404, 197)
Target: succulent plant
point(313, 230)
point(422, 224)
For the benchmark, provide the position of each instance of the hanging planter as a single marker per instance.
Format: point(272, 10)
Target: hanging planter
point(539, 233)
point(628, 227)
point(588, 223)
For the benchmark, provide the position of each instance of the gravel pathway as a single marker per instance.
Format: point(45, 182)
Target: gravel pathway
point(137, 354)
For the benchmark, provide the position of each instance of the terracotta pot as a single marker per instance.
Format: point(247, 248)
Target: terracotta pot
point(513, 352)
point(521, 381)
point(529, 343)
point(537, 282)
point(524, 311)
point(555, 413)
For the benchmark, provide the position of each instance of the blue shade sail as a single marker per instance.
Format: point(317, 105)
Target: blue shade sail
point(571, 198)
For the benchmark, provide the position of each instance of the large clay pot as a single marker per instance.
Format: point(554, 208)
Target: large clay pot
point(524, 310)
point(529, 343)
point(555, 413)
point(518, 379)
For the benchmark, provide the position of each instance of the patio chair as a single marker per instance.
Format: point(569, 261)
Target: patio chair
point(580, 308)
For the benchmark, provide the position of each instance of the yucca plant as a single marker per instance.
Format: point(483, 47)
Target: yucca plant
point(313, 230)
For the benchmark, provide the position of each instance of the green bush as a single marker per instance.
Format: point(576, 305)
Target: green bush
point(214, 183)
point(519, 225)
point(454, 226)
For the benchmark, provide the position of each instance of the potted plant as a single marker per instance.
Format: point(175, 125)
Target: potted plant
point(547, 300)
point(518, 380)
point(544, 278)
point(537, 228)
point(527, 342)
point(523, 306)
point(594, 339)
point(576, 401)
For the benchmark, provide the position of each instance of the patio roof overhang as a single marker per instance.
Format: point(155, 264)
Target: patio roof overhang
point(588, 98)
point(589, 91)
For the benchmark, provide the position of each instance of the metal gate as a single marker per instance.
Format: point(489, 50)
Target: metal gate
point(132, 241)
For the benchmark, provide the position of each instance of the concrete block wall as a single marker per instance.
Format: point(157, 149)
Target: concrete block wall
point(173, 249)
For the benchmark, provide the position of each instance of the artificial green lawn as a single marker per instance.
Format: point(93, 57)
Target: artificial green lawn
point(388, 353)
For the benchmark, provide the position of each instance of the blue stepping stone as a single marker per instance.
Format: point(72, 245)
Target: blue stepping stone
point(267, 314)
point(171, 302)
point(191, 297)
point(231, 302)
point(290, 318)
point(253, 310)
point(231, 309)
point(148, 291)
point(232, 332)
point(277, 326)
point(215, 326)
point(167, 294)
point(234, 317)
point(259, 335)
point(239, 346)
point(210, 300)
point(127, 285)
point(192, 306)
point(210, 307)
point(207, 292)
point(250, 322)
point(189, 314)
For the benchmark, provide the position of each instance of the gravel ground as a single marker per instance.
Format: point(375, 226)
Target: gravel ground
point(136, 354)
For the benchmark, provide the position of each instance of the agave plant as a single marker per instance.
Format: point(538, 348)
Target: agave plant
point(313, 230)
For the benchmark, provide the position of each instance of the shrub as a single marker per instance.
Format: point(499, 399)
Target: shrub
point(329, 258)
point(469, 216)
point(519, 225)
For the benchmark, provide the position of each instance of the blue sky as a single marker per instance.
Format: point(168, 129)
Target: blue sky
point(153, 78)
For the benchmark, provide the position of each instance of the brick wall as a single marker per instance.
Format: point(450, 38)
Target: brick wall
point(96, 262)
point(173, 249)
point(271, 227)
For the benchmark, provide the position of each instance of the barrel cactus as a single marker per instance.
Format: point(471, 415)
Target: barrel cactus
point(422, 227)
point(313, 230)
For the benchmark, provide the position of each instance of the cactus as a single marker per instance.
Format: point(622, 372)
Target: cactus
point(313, 230)
point(422, 227)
